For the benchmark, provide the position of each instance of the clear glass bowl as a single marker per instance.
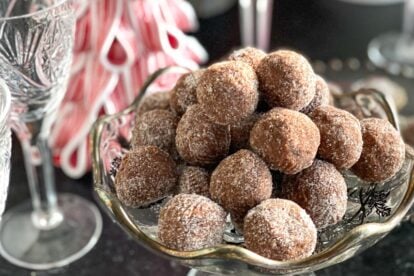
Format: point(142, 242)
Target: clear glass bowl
point(373, 209)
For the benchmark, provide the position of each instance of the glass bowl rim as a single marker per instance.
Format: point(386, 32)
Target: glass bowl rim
point(235, 252)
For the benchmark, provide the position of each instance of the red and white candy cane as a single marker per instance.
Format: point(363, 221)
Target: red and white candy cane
point(118, 45)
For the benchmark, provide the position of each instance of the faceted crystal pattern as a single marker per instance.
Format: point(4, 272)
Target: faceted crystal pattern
point(35, 57)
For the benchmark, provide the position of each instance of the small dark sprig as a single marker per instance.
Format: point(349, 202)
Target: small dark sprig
point(115, 163)
point(371, 199)
point(379, 202)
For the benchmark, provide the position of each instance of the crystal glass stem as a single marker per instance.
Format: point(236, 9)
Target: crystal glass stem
point(264, 10)
point(395, 51)
point(40, 175)
point(5, 144)
point(246, 13)
point(408, 19)
point(255, 23)
point(405, 45)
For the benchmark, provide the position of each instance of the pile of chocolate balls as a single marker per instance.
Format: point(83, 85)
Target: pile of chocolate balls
point(217, 140)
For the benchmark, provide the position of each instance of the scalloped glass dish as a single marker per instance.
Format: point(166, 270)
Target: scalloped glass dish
point(373, 209)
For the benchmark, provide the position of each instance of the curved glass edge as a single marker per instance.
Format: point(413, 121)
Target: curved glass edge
point(354, 241)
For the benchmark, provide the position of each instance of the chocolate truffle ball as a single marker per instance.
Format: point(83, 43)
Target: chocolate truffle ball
point(287, 140)
point(190, 222)
point(280, 229)
point(240, 132)
point(249, 55)
point(198, 140)
point(383, 151)
point(341, 138)
point(184, 92)
point(286, 79)
point(227, 92)
point(194, 180)
point(146, 174)
point(322, 96)
point(320, 190)
point(157, 128)
point(158, 100)
point(240, 182)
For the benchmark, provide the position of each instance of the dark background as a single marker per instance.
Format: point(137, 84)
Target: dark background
point(321, 29)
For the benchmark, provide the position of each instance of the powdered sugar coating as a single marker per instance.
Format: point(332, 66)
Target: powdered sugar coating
point(240, 182)
point(286, 139)
point(190, 222)
point(322, 96)
point(383, 151)
point(157, 128)
point(198, 140)
point(227, 92)
point(194, 180)
point(249, 55)
point(341, 137)
point(240, 132)
point(158, 100)
point(184, 93)
point(320, 190)
point(286, 79)
point(146, 174)
point(280, 229)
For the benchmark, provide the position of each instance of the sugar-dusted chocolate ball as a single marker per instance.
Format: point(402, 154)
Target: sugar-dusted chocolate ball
point(227, 92)
point(320, 190)
point(249, 55)
point(200, 141)
point(322, 96)
point(157, 100)
point(190, 222)
point(286, 139)
point(146, 174)
point(240, 182)
point(157, 128)
point(194, 180)
point(184, 93)
point(341, 137)
point(383, 151)
point(240, 132)
point(286, 79)
point(280, 229)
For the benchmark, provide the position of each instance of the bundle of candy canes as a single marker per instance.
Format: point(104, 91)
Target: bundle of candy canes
point(118, 44)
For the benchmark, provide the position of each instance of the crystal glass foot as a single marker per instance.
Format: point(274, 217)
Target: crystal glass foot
point(40, 248)
point(195, 272)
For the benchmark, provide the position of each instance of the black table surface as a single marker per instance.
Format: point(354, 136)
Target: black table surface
point(322, 30)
